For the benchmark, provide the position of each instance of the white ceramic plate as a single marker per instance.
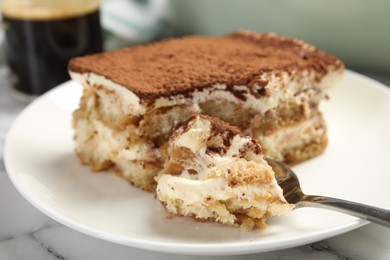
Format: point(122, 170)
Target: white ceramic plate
point(41, 164)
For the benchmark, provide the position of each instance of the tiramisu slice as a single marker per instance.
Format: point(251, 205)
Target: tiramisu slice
point(267, 85)
point(213, 172)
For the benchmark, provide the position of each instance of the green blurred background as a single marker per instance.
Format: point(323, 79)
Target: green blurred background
point(357, 31)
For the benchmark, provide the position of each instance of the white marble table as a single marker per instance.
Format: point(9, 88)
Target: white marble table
point(26, 233)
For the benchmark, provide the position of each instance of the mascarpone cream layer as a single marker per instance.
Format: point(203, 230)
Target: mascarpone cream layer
point(290, 137)
point(195, 137)
point(282, 87)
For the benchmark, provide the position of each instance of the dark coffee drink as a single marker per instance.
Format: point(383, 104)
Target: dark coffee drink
point(38, 47)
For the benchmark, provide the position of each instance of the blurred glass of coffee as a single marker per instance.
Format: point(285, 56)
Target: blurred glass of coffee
point(41, 36)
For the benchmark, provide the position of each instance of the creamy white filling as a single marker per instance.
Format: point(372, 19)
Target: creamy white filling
point(208, 198)
point(109, 144)
point(202, 197)
point(196, 191)
point(139, 151)
point(290, 137)
point(195, 139)
point(102, 141)
point(279, 88)
point(128, 101)
point(193, 191)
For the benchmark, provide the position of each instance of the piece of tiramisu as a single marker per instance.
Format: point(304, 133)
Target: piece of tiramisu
point(266, 85)
point(214, 172)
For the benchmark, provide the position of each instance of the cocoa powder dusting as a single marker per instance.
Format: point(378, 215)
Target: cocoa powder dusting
point(179, 66)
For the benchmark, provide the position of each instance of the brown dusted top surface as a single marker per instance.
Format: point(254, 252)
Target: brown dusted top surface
point(181, 65)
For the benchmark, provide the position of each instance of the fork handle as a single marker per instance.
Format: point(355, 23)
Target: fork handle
point(373, 214)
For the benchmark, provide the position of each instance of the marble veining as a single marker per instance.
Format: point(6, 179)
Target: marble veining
point(26, 233)
point(324, 246)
